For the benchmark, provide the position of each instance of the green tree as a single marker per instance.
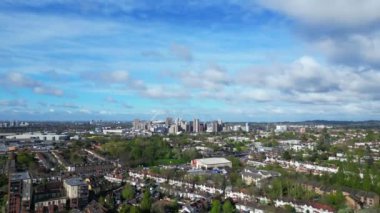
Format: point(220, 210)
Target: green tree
point(228, 207)
point(146, 202)
point(335, 199)
point(367, 180)
point(289, 209)
point(25, 159)
point(3, 180)
point(128, 192)
point(304, 137)
point(109, 202)
point(340, 177)
point(216, 206)
point(286, 155)
point(323, 142)
point(3, 201)
point(102, 201)
point(370, 136)
point(236, 163)
point(135, 209)
point(125, 208)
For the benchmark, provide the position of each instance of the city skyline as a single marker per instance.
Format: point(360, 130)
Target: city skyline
point(229, 59)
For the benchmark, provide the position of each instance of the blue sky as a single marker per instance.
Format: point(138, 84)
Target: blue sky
point(236, 60)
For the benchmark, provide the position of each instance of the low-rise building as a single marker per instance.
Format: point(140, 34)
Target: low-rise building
point(113, 131)
point(210, 163)
point(50, 206)
point(77, 192)
point(38, 136)
point(49, 196)
point(19, 192)
point(95, 207)
point(253, 176)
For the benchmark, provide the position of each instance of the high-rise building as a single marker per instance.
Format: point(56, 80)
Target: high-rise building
point(246, 127)
point(173, 129)
point(168, 121)
point(19, 192)
point(215, 126)
point(202, 127)
point(212, 127)
point(136, 123)
point(184, 126)
point(196, 125)
point(178, 121)
point(12, 123)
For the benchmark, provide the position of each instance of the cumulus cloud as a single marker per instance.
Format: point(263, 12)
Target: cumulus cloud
point(47, 91)
point(182, 52)
point(164, 92)
point(352, 49)
point(340, 12)
point(16, 27)
point(308, 81)
point(66, 105)
point(212, 78)
point(303, 81)
point(13, 103)
point(119, 76)
point(304, 75)
point(239, 94)
point(110, 99)
point(346, 31)
point(85, 111)
point(113, 77)
point(127, 106)
point(19, 79)
point(14, 80)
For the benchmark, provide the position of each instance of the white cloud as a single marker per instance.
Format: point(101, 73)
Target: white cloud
point(182, 52)
point(346, 31)
point(306, 81)
point(127, 106)
point(119, 76)
point(116, 76)
point(111, 99)
point(66, 105)
point(13, 103)
point(85, 111)
point(105, 112)
point(303, 75)
point(28, 28)
point(164, 92)
point(355, 48)
point(48, 91)
point(339, 12)
point(107, 78)
point(14, 80)
point(212, 78)
point(18, 79)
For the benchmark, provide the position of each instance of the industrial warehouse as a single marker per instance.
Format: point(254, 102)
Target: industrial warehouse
point(211, 163)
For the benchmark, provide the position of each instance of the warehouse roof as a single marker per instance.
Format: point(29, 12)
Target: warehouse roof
point(211, 161)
